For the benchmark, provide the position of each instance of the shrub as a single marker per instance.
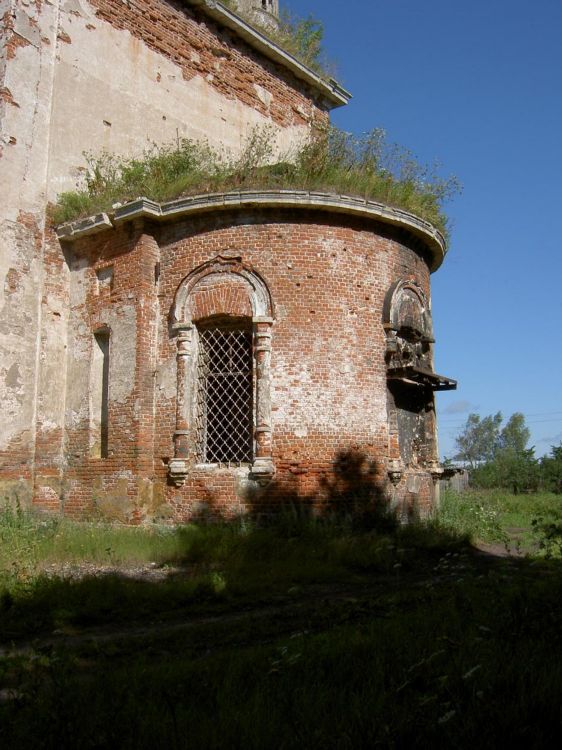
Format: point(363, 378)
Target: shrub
point(473, 513)
point(551, 470)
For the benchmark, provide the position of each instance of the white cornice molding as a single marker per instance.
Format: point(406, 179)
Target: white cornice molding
point(331, 90)
point(196, 205)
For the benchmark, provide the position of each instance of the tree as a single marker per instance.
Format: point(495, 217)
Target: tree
point(551, 470)
point(517, 470)
point(479, 439)
point(515, 435)
point(517, 466)
point(499, 457)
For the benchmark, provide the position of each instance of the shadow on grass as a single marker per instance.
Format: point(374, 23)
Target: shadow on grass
point(343, 535)
point(335, 626)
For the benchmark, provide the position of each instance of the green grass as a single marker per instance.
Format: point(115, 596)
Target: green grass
point(333, 161)
point(308, 634)
point(218, 564)
point(530, 522)
point(436, 665)
point(29, 544)
point(477, 514)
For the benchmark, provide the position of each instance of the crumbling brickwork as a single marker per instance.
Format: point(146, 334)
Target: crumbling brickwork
point(109, 399)
point(79, 76)
point(332, 428)
point(202, 49)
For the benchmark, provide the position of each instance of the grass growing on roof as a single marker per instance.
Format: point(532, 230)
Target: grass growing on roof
point(301, 37)
point(366, 166)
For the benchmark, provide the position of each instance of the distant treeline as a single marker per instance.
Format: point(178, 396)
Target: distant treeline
point(498, 457)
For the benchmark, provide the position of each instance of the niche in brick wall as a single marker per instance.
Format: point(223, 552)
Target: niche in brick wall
point(99, 395)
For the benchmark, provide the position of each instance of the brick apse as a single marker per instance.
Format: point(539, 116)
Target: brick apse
point(215, 355)
point(248, 349)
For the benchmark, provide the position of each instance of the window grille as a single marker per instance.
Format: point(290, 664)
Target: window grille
point(224, 396)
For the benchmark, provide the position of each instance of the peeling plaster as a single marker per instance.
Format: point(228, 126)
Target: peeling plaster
point(149, 102)
point(25, 28)
point(166, 382)
point(123, 348)
point(60, 96)
point(19, 280)
point(13, 377)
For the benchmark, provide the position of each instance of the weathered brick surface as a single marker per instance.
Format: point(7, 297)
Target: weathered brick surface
point(61, 94)
point(333, 427)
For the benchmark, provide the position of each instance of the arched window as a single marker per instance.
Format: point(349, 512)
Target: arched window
point(409, 336)
point(410, 376)
point(222, 318)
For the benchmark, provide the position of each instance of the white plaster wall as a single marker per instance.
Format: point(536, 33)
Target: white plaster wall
point(28, 77)
point(24, 134)
point(20, 275)
point(113, 93)
point(5, 14)
point(102, 90)
point(79, 348)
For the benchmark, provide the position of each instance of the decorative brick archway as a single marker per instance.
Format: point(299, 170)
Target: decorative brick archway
point(227, 288)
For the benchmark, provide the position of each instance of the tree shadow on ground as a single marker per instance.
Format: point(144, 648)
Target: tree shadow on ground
point(334, 528)
point(305, 530)
point(352, 488)
point(292, 635)
point(324, 619)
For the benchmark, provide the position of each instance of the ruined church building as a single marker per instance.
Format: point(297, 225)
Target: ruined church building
point(214, 355)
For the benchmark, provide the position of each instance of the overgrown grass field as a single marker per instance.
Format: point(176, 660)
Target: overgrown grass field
point(528, 523)
point(307, 634)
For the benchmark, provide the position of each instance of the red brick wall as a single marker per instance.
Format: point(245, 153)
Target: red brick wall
point(48, 453)
point(327, 276)
point(221, 297)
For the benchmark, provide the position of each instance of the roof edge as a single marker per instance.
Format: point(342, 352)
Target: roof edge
point(140, 208)
point(335, 94)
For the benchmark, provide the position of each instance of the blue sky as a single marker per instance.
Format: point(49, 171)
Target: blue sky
point(478, 86)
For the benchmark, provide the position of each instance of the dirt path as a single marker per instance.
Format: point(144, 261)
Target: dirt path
point(514, 547)
point(280, 615)
point(283, 610)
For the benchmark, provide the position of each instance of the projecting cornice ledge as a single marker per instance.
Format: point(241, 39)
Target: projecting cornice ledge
point(330, 89)
point(425, 232)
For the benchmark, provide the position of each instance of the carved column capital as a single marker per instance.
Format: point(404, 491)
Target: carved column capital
point(436, 470)
point(395, 471)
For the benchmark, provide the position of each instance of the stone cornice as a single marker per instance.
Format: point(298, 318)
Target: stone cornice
point(332, 92)
point(295, 200)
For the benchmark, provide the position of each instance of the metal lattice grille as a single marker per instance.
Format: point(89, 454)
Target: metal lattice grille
point(224, 396)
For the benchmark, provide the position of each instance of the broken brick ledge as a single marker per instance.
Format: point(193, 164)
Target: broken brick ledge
point(431, 237)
